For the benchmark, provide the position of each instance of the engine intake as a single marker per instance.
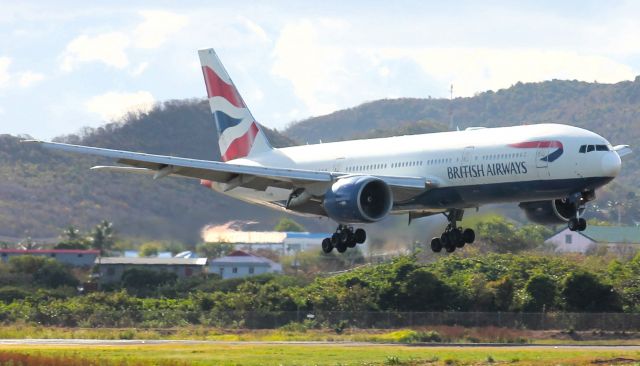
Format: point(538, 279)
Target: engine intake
point(549, 212)
point(358, 199)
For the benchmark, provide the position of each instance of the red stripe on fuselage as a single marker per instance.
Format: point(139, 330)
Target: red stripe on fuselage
point(241, 146)
point(536, 144)
point(216, 87)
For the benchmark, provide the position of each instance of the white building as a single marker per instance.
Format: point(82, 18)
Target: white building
point(622, 239)
point(72, 257)
point(239, 264)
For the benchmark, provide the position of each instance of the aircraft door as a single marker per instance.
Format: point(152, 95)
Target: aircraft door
point(542, 164)
point(338, 165)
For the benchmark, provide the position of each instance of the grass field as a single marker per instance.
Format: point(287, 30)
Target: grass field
point(336, 354)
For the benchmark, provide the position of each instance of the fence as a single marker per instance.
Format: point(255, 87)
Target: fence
point(167, 318)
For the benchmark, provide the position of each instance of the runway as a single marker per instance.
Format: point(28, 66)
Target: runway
point(101, 342)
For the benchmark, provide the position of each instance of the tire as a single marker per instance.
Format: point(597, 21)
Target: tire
point(436, 245)
point(582, 224)
point(360, 236)
point(456, 238)
point(341, 247)
point(574, 224)
point(335, 238)
point(344, 236)
point(351, 243)
point(327, 247)
point(444, 239)
point(469, 236)
point(450, 248)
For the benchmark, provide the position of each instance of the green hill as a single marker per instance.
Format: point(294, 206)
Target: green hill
point(43, 191)
point(40, 192)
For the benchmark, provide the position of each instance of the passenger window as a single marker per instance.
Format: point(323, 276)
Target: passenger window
point(583, 149)
point(590, 148)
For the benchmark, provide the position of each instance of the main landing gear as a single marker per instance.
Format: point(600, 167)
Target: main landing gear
point(453, 236)
point(344, 237)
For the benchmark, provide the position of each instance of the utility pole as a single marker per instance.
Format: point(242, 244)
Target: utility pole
point(451, 108)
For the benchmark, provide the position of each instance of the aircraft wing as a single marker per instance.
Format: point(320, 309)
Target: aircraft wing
point(234, 175)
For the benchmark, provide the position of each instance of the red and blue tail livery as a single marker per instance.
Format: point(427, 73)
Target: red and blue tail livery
point(239, 134)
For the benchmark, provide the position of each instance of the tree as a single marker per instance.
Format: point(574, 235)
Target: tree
point(287, 224)
point(72, 238)
point(541, 291)
point(214, 250)
point(103, 236)
point(583, 291)
point(149, 249)
point(142, 280)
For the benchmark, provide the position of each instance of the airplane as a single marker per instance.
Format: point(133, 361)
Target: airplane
point(551, 170)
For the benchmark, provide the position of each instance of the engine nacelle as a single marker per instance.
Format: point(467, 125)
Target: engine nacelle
point(358, 199)
point(549, 212)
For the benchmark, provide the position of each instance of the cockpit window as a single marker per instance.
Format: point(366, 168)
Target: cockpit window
point(583, 149)
point(602, 148)
point(591, 148)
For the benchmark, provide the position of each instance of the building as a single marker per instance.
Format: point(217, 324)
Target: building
point(241, 264)
point(72, 257)
point(621, 239)
point(112, 268)
point(282, 242)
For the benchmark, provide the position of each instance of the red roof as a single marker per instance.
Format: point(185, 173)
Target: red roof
point(49, 251)
point(239, 253)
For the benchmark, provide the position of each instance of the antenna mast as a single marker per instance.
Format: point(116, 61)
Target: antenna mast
point(451, 108)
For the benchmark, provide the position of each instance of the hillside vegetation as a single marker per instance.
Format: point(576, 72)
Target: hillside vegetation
point(41, 192)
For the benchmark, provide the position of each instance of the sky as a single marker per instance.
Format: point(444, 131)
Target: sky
point(66, 65)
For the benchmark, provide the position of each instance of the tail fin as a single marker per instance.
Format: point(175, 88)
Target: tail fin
point(239, 133)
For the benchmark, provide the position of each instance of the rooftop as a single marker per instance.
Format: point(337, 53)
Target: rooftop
point(49, 251)
point(238, 257)
point(613, 234)
point(153, 261)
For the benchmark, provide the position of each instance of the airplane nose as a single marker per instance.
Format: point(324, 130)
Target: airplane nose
point(611, 164)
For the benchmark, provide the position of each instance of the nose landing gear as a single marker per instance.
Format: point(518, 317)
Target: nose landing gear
point(579, 201)
point(344, 237)
point(453, 236)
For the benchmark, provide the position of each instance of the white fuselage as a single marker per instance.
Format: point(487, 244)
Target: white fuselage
point(471, 167)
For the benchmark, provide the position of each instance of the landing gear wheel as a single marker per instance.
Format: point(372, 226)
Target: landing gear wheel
point(327, 247)
point(450, 248)
point(582, 224)
point(351, 241)
point(456, 238)
point(360, 236)
point(335, 239)
point(436, 245)
point(469, 236)
point(574, 224)
point(344, 236)
point(445, 240)
point(341, 247)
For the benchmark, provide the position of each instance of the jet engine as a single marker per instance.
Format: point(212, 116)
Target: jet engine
point(549, 212)
point(358, 199)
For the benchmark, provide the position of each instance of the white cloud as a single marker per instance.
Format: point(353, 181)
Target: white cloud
point(108, 48)
point(157, 27)
point(139, 69)
point(28, 78)
point(312, 67)
point(255, 29)
point(2, 111)
point(114, 105)
point(4, 71)
point(475, 70)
